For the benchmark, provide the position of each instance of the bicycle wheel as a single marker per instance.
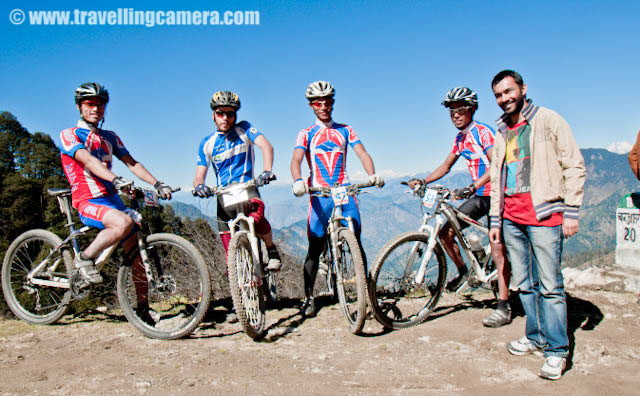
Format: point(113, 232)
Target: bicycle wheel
point(352, 281)
point(246, 291)
point(178, 293)
point(32, 303)
point(397, 300)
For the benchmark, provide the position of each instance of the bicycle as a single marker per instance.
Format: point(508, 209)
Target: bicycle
point(252, 288)
point(39, 282)
point(345, 267)
point(409, 272)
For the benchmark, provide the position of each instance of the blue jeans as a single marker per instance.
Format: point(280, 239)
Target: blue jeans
point(535, 254)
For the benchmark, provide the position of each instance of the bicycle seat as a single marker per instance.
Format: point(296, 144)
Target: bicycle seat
point(59, 191)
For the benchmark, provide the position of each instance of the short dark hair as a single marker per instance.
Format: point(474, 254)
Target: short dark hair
point(507, 73)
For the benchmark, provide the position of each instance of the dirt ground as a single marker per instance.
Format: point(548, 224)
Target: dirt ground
point(450, 354)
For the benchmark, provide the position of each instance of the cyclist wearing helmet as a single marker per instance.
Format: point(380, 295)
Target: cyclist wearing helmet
point(474, 142)
point(87, 155)
point(229, 150)
point(324, 144)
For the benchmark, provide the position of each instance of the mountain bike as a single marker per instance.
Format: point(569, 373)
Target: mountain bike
point(409, 273)
point(252, 288)
point(346, 273)
point(39, 281)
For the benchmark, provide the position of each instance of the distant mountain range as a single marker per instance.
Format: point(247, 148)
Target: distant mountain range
point(389, 211)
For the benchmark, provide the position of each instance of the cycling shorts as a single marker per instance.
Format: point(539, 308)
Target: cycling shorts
point(475, 207)
point(320, 209)
point(224, 215)
point(92, 211)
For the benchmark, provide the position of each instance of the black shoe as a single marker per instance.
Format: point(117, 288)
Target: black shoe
point(142, 312)
point(309, 307)
point(454, 283)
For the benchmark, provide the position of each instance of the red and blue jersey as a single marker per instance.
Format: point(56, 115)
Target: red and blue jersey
point(473, 144)
point(231, 154)
point(325, 147)
point(103, 145)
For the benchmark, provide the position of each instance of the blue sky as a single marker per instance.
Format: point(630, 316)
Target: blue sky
point(391, 64)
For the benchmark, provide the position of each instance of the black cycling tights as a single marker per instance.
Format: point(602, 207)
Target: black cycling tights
point(316, 245)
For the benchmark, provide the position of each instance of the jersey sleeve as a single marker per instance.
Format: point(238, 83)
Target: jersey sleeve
point(251, 131)
point(353, 137)
point(203, 158)
point(70, 142)
point(486, 139)
point(302, 141)
point(118, 147)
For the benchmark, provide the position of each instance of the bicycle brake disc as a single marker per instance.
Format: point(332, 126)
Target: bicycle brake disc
point(78, 286)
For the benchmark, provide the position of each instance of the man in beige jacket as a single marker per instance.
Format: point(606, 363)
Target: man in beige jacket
point(538, 176)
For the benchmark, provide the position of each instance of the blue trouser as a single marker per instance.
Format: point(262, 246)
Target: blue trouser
point(535, 253)
point(320, 209)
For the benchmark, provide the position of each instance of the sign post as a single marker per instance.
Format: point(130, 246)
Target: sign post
point(628, 231)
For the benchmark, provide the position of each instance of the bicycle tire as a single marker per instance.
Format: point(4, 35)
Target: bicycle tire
point(246, 293)
point(179, 295)
point(351, 286)
point(269, 281)
point(25, 299)
point(396, 300)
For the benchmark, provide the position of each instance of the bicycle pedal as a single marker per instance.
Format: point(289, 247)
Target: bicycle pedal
point(78, 286)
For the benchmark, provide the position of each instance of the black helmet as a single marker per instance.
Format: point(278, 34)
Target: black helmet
point(91, 90)
point(461, 94)
point(225, 98)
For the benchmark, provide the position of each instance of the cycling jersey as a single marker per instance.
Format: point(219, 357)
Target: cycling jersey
point(230, 154)
point(473, 143)
point(325, 147)
point(102, 144)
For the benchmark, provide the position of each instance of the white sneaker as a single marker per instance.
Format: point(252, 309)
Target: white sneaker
point(274, 264)
point(523, 346)
point(87, 270)
point(553, 367)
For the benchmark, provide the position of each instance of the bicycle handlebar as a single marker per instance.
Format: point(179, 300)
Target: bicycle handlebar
point(216, 190)
point(129, 187)
point(421, 189)
point(352, 189)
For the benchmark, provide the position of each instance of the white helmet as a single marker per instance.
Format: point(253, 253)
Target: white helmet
point(320, 89)
point(461, 94)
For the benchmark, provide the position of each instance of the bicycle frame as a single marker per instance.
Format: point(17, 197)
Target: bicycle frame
point(72, 239)
point(446, 213)
point(245, 224)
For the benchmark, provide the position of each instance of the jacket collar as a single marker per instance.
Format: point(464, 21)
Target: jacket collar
point(528, 111)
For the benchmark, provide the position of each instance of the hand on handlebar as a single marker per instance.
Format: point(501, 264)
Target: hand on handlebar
point(163, 190)
point(376, 180)
point(203, 191)
point(466, 192)
point(120, 183)
point(299, 188)
point(264, 178)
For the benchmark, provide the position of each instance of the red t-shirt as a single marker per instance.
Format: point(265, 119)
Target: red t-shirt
point(519, 209)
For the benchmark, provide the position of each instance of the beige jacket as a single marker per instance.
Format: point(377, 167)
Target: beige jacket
point(557, 167)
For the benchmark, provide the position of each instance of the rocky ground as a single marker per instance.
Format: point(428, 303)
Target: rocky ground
point(98, 354)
